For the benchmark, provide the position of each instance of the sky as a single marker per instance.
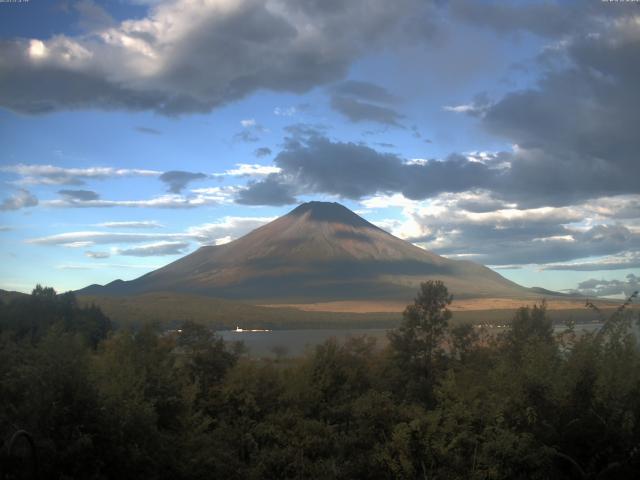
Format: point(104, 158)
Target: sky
point(134, 132)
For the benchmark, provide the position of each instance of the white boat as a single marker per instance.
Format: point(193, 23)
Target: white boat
point(241, 330)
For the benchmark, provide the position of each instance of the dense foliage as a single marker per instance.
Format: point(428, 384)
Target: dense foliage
point(438, 402)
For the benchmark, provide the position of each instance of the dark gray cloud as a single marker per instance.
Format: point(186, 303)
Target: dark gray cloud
point(270, 191)
point(22, 199)
point(359, 102)
point(531, 241)
point(600, 287)
point(364, 90)
point(227, 54)
point(620, 262)
point(251, 131)
point(247, 136)
point(318, 165)
point(262, 152)
point(148, 130)
point(577, 129)
point(79, 195)
point(305, 130)
point(556, 18)
point(92, 17)
point(177, 180)
point(38, 174)
point(359, 111)
point(481, 205)
point(155, 249)
point(544, 18)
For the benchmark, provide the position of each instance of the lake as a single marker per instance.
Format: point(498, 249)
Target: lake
point(295, 342)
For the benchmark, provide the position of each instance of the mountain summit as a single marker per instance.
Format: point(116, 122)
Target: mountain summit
point(319, 251)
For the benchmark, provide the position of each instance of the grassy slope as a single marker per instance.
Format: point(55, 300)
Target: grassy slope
point(170, 309)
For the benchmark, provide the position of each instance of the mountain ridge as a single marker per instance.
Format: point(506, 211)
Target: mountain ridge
point(317, 251)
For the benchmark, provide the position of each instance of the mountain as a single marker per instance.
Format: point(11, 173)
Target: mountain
point(7, 295)
point(319, 251)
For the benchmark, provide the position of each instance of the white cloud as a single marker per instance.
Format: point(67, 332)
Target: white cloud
point(102, 266)
point(480, 227)
point(231, 48)
point(85, 238)
point(250, 122)
point(97, 255)
point(464, 108)
point(155, 249)
point(285, 111)
point(227, 229)
point(248, 170)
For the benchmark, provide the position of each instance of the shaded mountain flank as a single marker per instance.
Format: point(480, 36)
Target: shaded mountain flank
point(319, 251)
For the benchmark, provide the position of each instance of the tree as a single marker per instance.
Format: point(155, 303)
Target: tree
point(417, 343)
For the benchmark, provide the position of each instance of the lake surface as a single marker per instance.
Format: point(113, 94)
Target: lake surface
point(296, 342)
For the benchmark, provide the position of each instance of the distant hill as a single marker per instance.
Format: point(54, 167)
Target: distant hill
point(7, 295)
point(317, 252)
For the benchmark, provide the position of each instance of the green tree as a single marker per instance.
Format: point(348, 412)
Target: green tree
point(417, 344)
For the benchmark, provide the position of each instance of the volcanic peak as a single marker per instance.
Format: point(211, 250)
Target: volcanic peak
point(331, 212)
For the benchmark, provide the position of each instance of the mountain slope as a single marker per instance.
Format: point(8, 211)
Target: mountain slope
point(319, 251)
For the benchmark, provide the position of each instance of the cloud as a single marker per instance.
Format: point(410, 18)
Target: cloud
point(99, 266)
point(546, 19)
point(270, 191)
point(86, 238)
point(316, 164)
point(202, 197)
point(189, 56)
point(155, 249)
point(623, 261)
point(262, 152)
point(32, 174)
point(353, 99)
point(249, 170)
point(177, 180)
point(285, 111)
point(80, 195)
point(358, 111)
point(600, 287)
point(22, 199)
point(134, 224)
point(92, 16)
point(365, 91)
point(462, 225)
point(304, 131)
point(477, 108)
point(148, 130)
point(229, 227)
point(251, 131)
point(575, 130)
point(97, 255)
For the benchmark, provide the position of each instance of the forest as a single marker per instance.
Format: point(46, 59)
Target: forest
point(442, 400)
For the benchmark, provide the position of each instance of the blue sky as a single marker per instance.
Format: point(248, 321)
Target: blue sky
point(134, 132)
